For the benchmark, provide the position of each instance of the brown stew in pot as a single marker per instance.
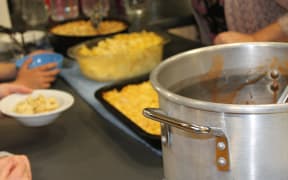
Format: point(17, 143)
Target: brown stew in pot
point(233, 89)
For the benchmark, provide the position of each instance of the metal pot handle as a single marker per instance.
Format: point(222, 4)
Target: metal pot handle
point(158, 115)
point(222, 151)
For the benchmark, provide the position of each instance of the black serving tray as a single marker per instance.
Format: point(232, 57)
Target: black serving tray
point(153, 140)
point(61, 43)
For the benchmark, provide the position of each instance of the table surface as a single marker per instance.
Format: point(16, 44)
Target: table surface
point(83, 145)
point(80, 144)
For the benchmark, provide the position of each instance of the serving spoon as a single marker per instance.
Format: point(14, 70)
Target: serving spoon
point(283, 98)
point(96, 19)
point(97, 16)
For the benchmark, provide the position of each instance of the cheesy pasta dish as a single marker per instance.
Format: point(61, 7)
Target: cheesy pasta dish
point(129, 44)
point(121, 56)
point(35, 105)
point(85, 28)
point(131, 100)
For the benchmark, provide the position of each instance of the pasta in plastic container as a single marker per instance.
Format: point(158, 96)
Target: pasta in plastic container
point(120, 57)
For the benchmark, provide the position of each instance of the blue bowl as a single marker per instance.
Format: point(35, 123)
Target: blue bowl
point(41, 59)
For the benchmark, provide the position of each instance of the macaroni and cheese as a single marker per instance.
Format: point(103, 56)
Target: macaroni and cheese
point(131, 100)
point(34, 105)
point(85, 28)
point(122, 56)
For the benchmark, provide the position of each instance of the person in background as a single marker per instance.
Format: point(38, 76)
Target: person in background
point(230, 21)
point(15, 167)
point(10, 88)
point(24, 80)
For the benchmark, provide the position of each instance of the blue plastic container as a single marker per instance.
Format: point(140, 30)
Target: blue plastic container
point(41, 59)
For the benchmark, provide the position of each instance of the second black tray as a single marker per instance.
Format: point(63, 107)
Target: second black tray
point(153, 140)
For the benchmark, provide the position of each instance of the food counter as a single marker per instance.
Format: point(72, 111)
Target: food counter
point(81, 144)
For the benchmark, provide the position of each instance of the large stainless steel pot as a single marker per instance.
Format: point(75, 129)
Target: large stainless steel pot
point(204, 140)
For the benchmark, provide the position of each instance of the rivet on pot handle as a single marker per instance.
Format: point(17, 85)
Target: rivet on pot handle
point(222, 150)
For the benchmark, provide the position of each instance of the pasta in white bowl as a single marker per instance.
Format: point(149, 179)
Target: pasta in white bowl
point(39, 108)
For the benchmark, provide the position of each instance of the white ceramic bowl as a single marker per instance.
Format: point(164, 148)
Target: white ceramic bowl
point(8, 104)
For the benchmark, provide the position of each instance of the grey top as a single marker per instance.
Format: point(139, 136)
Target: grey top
point(248, 16)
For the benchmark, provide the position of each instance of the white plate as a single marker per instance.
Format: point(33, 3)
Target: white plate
point(8, 104)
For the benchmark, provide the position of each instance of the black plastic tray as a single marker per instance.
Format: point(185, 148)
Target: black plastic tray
point(153, 140)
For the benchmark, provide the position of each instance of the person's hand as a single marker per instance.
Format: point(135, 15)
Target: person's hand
point(15, 167)
point(10, 88)
point(233, 37)
point(37, 78)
